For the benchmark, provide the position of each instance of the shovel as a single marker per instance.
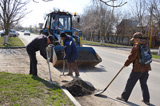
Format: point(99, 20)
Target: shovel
point(48, 64)
point(101, 91)
point(63, 67)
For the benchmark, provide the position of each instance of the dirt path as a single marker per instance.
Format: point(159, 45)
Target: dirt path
point(17, 61)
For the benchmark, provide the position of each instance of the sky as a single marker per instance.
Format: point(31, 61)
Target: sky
point(40, 9)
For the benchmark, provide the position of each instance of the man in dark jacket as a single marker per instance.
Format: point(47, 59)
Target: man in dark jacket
point(71, 53)
point(38, 44)
point(139, 72)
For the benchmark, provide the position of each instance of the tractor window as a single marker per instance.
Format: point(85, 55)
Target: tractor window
point(47, 22)
point(61, 21)
point(57, 23)
point(67, 23)
point(53, 23)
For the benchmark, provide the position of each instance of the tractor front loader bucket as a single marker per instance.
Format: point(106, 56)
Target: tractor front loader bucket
point(87, 56)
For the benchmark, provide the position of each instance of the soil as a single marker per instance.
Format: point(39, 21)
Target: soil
point(77, 87)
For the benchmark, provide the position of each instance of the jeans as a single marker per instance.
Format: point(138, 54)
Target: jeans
point(132, 80)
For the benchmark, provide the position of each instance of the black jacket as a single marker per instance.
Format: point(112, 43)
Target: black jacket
point(38, 44)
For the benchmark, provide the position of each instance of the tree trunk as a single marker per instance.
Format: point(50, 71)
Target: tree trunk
point(5, 39)
point(159, 51)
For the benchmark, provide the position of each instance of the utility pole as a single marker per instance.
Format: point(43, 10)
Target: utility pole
point(150, 27)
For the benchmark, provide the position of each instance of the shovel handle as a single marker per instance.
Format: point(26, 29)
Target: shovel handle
point(114, 78)
point(64, 63)
point(63, 66)
point(48, 64)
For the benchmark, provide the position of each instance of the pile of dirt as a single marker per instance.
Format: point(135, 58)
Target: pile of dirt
point(78, 87)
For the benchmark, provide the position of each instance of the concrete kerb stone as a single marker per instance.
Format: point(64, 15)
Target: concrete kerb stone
point(73, 100)
point(12, 47)
point(156, 60)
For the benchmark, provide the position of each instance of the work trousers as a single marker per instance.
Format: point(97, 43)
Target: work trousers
point(73, 66)
point(132, 80)
point(33, 62)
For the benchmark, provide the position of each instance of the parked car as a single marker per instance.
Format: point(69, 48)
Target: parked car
point(21, 30)
point(27, 32)
point(12, 33)
point(1, 32)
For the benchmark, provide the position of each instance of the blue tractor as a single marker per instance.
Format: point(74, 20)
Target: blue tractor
point(58, 22)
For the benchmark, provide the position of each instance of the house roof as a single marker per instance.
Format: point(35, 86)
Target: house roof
point(130, 22)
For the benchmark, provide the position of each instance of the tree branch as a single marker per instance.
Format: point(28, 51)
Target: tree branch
point(42, 0)
point(119, 5)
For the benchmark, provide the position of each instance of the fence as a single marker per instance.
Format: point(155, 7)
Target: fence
point(123, 40)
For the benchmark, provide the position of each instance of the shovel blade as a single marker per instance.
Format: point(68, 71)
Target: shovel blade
point(98, 93)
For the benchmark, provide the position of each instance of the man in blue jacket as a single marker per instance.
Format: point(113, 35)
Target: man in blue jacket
point(71, 53)
point(38, 44)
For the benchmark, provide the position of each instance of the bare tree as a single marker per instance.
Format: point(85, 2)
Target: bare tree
point(143, 11)
point(95, 21)
point(112, 18)
point(11, 12)
point(36, 1)
point(154, 18)
point(154, 5)
point(140, 13)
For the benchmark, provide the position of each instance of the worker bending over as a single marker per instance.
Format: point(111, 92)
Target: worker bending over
point(38, 44)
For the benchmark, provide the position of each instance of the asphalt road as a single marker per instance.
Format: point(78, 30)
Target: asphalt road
point(112, 60)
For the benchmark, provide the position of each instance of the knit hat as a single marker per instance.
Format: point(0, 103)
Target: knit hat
point(63, 34)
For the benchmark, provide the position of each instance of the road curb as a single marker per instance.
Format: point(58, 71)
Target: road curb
point(73, 100)
point(12, 47)
point(156, 60)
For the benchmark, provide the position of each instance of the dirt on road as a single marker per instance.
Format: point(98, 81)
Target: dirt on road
point(17, 61)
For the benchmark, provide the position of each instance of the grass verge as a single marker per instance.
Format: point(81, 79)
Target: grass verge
point(105, 44)
point(12, 42)
point(154, 54)
point(27, 90)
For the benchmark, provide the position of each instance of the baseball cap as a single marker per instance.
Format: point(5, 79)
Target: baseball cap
point(137, 35)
